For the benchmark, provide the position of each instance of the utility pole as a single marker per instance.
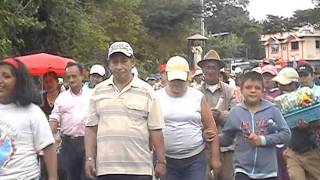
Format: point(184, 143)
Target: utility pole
point(202, 18)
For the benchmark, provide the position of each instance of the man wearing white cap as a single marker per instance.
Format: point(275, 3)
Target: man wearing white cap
point(124, 119)
point(97, 73)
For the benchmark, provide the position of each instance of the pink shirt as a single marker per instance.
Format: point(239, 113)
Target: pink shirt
point(70, 111)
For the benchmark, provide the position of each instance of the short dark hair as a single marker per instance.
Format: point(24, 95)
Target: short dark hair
point(253, 76)
point(24, 93)
point(79, 66)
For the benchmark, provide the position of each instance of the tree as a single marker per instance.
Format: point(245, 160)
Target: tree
point(231, 16)
point(303, 17)
point(251, 36)
point(167, 24)
point(228, 46)
point(60, 27)
point(15, 16)
point(274, 24)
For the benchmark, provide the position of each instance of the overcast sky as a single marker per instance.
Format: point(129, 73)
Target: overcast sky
point(260, 8)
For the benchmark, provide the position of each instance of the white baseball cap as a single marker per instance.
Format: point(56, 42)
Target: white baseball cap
point(120, 47)
point(197, 73)
point(177, 68)
point(97, 69)
point(286, 76)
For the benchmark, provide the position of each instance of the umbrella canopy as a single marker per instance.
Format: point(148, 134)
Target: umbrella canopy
point(39, 64)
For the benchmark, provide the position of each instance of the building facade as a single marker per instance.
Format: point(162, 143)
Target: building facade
point(302, 44)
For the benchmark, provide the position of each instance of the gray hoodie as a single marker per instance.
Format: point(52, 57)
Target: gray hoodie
point(257, 162)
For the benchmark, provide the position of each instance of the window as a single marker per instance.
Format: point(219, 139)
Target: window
point(274, 49)
point(318, 44)
point(284, 48)
point(294, 45)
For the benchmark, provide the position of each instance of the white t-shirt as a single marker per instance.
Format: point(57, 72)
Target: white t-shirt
point(213, 88)
point(183, 125)
point(24, 131)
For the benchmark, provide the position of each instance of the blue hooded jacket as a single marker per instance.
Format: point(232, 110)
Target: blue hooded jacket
point(257, 162)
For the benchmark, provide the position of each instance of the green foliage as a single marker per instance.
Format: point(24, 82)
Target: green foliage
point(251, 37)
point(228, 46)
point(274, 24)
point(308, 16)
point(232, 17)
point(157, 29)
point(15, 16)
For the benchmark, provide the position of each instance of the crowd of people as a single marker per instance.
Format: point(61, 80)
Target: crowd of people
point(177, 126)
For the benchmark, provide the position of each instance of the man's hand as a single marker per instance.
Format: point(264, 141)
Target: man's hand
point(160, 169)
point(209, 135)
point(255, 139)
point(302, 124)
point(215, 165)
point(90, 168)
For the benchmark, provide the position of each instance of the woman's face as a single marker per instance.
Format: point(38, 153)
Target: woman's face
point(50, 84)
point(7, 84)
point(177, 87)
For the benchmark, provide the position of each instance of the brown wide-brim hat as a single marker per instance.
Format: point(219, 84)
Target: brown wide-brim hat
point(211, 55)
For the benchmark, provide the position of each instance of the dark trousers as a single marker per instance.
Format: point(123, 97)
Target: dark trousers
point(192, 168)
point(124, 177)
point(73, 157)
point(241, 176)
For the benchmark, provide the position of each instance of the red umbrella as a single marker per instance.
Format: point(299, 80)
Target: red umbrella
point(38, 64)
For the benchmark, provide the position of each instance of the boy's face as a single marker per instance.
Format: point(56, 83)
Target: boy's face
point(252, 91)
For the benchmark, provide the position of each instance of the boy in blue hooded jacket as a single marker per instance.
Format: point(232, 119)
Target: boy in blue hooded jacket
point(257, 125)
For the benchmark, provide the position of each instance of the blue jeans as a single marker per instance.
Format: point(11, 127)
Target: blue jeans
point(192, 168)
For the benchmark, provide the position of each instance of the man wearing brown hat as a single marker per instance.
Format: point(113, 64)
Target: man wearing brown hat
point(220, 97)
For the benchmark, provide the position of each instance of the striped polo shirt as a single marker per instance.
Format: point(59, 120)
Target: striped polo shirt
point(124, 119)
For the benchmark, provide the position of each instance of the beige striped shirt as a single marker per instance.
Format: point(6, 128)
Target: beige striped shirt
point(124, 120)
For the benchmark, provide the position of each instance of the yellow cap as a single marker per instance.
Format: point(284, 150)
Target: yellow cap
point(177, 68)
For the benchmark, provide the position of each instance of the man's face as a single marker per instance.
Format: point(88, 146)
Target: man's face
point(95, 79)
point(211, 72)
point(121, 65)
point(288, 87)
point(227, 71)
point(74, 77)
point(306, 80)
point(267, 81)
point(164, 78)
point(198, 79)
